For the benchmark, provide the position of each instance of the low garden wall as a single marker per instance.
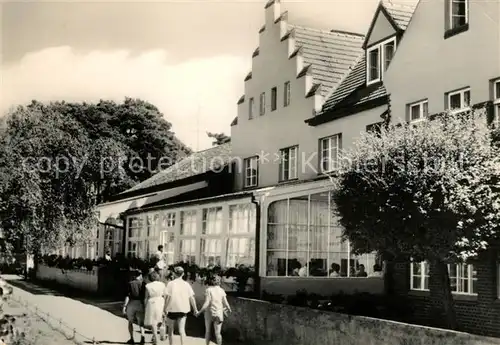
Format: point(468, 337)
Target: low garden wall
point(259, 322)
point(81, 279)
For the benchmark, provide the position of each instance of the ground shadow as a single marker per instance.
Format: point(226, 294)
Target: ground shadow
point(195, 327)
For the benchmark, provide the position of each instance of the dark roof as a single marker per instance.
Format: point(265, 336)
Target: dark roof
point(195, 164)
point(400, 11)
point(353, 90)
point(329, 53)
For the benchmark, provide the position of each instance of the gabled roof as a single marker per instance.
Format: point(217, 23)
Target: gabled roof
point(195, 164)
point(352, 92)
point(330, 54)
point(398, 12)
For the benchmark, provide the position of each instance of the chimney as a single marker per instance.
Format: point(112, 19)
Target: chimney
point(273, 11)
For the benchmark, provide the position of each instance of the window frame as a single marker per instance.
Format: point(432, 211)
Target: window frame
point(422, 115)
point(240, 214)
point(247, 166)
point(496, 102)
point(421, 277)
point(282, 170)
point(286, 94)
point(332, 231)
point(381, 59)
point(330, 169)
point(274, 98)
point(460, 92)
point(251, 103)
point(262, 106)
point(470, 278)
point(451, 15)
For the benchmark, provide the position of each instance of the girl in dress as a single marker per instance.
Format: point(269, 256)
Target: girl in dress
point(154, 302)
point(215, 307)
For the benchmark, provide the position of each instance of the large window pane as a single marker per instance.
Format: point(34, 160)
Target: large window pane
point(187, 250)
point(242, 219)
point(240, 251)
point(188, 223)
point(212, 221)
point(211, 250)
point(304, 239)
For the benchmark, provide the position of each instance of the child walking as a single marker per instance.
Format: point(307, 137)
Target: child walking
point(215, 307)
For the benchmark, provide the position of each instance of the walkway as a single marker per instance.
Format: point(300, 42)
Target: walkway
point(93, 318)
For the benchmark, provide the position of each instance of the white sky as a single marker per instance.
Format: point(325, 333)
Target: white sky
point(187, 58)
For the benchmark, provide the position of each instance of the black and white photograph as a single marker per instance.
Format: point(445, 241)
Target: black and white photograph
point(253, 172)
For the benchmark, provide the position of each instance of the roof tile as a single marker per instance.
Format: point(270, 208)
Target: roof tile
point(401, 11)
point(353, 90)
point(195, 164)
point(330, 53)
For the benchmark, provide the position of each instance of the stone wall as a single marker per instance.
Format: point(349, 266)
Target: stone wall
point(78, 279)
point(258, 322)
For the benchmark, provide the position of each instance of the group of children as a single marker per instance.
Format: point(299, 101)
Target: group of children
point(166, 299)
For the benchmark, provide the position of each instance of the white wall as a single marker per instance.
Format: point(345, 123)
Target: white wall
point(427, 65)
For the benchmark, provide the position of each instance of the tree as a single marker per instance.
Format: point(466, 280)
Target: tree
point(59, 160)
point(219, 138)
point(427, 192)
point(137, 127)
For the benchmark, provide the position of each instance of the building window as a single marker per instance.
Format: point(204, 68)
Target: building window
point(167, 236)
point(305, 240)
point(458, 101)
point(418, 111)
point(251, 171)
point(389, 49)
point(496, 103)
point(113, 237)
point(242, 219)
point(212, 221)
point(240, 246)
point(419, 276)
point(274, 98)
point(187, 250)
point(330, 153)
point(240, 251)
point(458, 13)
point(211, 250)
point(188, 223)
point(136, 241)
point(250, 108)
point(286, 94)
point(463, 277)
point(262, 103)
point(288, 164)
point(378, 58)
point(187, 236)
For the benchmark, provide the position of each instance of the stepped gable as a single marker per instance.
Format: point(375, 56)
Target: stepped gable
point(327, 55)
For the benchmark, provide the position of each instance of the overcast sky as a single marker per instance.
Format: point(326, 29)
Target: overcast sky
point(186, 57)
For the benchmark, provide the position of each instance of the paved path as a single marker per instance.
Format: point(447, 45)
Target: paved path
point(94, 319)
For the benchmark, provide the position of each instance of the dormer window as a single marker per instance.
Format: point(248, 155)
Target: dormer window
point(378, 58)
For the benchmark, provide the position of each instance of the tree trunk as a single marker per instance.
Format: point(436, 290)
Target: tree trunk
point(441, 296)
